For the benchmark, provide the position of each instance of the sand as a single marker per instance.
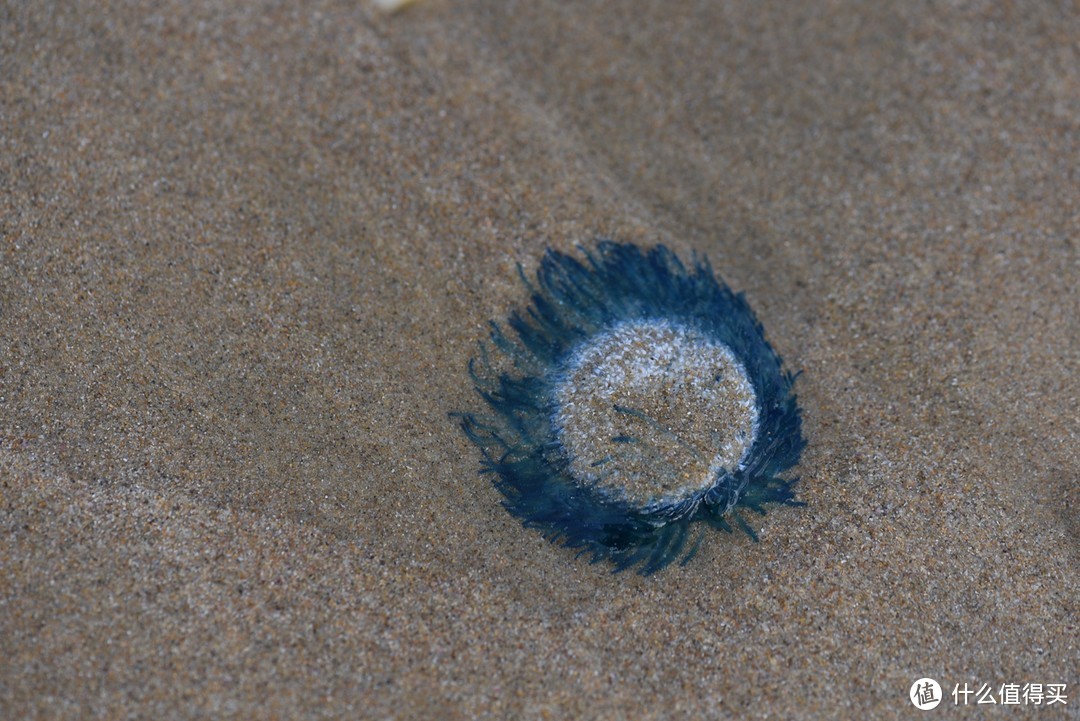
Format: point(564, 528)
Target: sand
point(247, 252)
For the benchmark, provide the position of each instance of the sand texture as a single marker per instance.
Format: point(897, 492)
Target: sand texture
point(247, 250)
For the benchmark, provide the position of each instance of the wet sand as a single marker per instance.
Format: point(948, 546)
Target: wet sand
point(247, 254)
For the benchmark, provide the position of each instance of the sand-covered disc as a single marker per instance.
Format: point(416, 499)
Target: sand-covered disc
point(653, 412)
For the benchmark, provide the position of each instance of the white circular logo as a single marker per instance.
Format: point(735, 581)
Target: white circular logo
point(925, 694)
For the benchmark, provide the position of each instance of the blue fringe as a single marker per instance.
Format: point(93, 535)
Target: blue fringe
point(572, 301)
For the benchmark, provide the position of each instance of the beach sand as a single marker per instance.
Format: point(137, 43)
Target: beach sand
point(248, 251)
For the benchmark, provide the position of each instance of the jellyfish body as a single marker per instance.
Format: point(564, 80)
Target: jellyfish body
point(632, 400)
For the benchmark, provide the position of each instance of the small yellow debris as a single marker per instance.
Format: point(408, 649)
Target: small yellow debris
point(391, 6)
